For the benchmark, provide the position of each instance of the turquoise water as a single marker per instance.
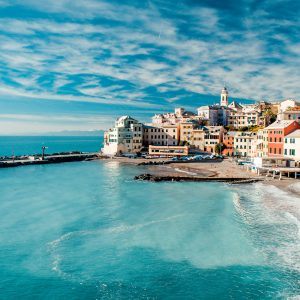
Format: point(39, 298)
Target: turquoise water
point(88, 231)
point(22, 145)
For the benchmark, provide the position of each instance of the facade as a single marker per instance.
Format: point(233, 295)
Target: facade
point(228, 142)
point(277, 131)
point(292, 145)
point(186, 129)
point(125, 137)
point(213, 136)
point(262, 143)
point(198, 138)
point(240, 119)
point(244, 144)
point(290, 114)
point(215, 115)
point(161, 135)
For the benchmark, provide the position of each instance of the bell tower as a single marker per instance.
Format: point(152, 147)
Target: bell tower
point(224, 97)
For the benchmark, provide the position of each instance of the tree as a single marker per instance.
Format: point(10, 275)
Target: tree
point(219, 148)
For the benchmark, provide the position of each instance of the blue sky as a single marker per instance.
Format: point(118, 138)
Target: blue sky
point(78, 64)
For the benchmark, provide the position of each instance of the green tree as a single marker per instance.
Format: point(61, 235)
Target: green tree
point(219, 148)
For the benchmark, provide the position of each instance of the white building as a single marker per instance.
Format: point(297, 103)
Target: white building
point(292, 145)
point(126, 137)
point(244, 144)
point(287, 104)
point(224, 97)
point(179, 115)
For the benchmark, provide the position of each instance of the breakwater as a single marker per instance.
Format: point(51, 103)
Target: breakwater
point(49, 159)
point(232, 180)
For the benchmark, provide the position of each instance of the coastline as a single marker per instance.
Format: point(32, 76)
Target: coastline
point(223, 169)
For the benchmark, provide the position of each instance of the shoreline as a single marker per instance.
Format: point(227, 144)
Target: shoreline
point(197, 171)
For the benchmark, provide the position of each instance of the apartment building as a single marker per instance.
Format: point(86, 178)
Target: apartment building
point(277, 131)
point(125, 137)
point(197, 139)
point(228, 142)
point(262, 143)
point(186, 131)
point(161, 135)
point(292, 145)
point(213, 136)
point(290, 114)
point(244, 144)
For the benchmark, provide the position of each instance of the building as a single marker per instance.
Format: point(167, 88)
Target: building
point(292, 113)
point(161, 135)
point(262, 143)
point(213, 136)
point(244, 144)
point(125, 137)
point(197, 140)
point(224, 97)
point(287, 104)
point(178, 116)
point(186, 129)
point(277, 131)
point(214, 115)
point(168, 150)
point(228, 142)
point(292, 145)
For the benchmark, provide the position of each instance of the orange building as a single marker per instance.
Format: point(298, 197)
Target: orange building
point(228, 142)
point(276, 133)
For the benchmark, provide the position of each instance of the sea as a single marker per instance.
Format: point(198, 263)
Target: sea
point(25, 145)
point(87, 230)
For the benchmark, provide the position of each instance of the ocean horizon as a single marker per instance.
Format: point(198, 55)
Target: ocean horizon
point(32, 144)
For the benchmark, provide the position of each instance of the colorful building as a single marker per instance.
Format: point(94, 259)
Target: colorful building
point(292, 145)
point(277, 131)
point(228, 142)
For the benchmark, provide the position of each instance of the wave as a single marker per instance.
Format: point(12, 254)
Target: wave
point(272, 216)
point(124, 228)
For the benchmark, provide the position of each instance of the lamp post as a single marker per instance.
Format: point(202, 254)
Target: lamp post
point(43, 152)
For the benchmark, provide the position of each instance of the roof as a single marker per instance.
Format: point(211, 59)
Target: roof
point(294, 134)
point(233, 104)
point(231, 133)
point(293, 109)
point(188, 113)
point(280, 124)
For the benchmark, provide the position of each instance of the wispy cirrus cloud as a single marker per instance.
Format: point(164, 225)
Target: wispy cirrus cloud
point(149, 54)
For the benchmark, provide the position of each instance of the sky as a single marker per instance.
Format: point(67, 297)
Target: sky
point(79, 64)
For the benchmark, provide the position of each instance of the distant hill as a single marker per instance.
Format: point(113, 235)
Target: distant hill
point(74, 133)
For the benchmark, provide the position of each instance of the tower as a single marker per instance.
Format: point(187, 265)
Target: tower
point(224, 97)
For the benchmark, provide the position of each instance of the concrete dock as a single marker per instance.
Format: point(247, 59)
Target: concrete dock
point(49, 159)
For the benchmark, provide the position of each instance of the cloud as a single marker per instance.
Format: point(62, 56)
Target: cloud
point(149, 54)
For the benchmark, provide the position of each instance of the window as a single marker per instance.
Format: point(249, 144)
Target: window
point(292, 152)
point(275, 151)
point(279, 150)
point(285, 140)
point(285, 151)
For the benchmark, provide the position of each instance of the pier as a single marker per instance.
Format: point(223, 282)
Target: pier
point(280, 171)
point(48, 159)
